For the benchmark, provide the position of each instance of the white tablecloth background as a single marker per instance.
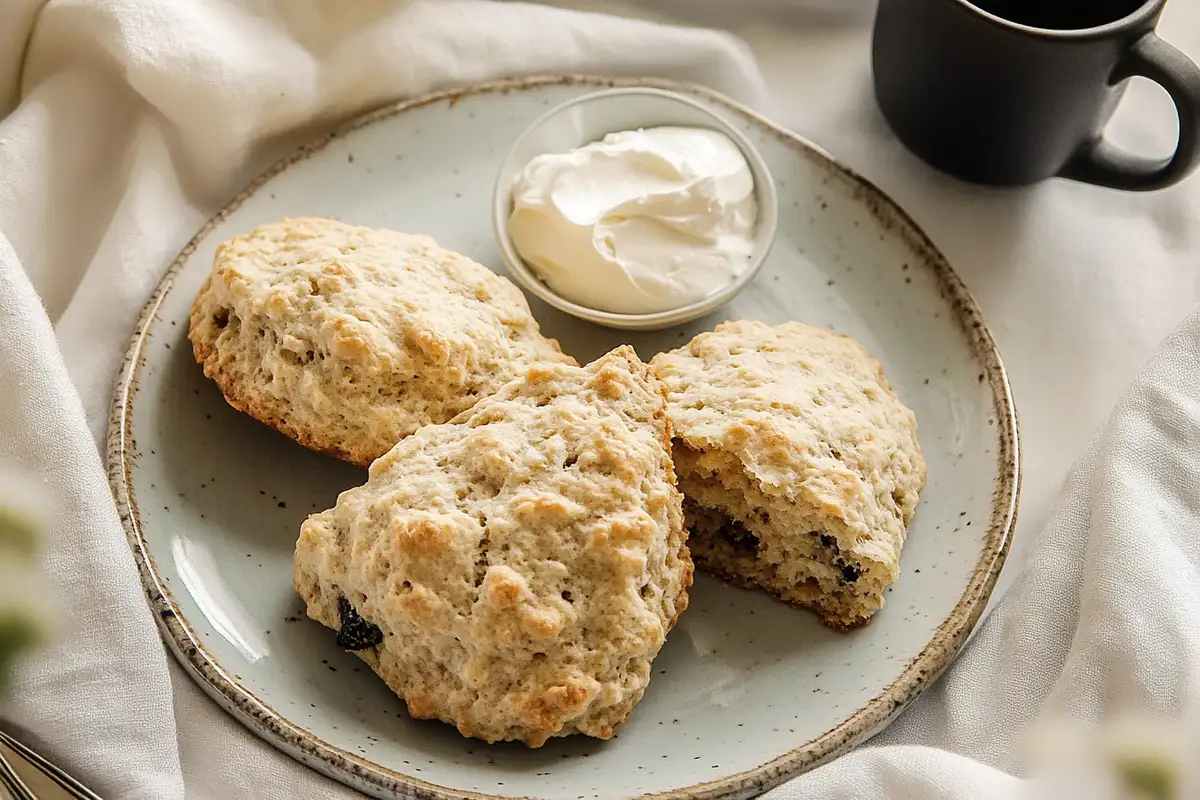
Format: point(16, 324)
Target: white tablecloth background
point(129, 121)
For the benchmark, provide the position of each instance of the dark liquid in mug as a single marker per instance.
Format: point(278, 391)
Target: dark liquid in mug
point(1060, 15)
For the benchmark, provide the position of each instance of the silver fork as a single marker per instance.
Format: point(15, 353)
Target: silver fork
point(14, 787)
point(28, 776)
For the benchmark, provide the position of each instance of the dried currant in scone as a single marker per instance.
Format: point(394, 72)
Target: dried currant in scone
point(525, 561)
point(795, 432)
point(743, 541)
point(356, 633)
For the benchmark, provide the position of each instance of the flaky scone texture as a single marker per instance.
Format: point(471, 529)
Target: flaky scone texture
point(514, 571)
point(799, 464)
point(348, 338)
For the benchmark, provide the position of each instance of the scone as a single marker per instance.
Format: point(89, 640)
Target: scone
point(514, 571)
point(799, 465)
point(348, 338)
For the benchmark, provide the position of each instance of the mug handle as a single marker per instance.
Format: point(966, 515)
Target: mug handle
point(1100, 163)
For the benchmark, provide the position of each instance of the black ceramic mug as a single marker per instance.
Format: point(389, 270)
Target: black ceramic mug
point(1010, 92)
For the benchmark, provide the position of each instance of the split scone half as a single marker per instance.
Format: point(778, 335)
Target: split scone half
point(799, 465)
point(348, 338)
point(514, 572)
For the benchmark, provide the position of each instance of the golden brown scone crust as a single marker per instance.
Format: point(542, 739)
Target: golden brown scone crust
point(799, 464)
point(523, 562)
point(348, 338)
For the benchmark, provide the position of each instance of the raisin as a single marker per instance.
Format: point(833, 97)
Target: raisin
point(851, 572)
point(743, 541)
point(356, 633)
point(828, 541)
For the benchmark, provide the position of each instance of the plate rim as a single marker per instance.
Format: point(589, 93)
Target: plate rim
point(362, 773)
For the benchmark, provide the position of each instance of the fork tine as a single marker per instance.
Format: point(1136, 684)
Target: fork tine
point(10, 781)
point(68, 784)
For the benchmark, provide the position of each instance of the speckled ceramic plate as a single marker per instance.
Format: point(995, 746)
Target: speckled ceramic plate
point(747, 692)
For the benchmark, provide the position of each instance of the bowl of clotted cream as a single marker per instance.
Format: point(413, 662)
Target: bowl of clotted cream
point(634, 208)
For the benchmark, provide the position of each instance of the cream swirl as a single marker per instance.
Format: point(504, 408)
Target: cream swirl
point(641, 221)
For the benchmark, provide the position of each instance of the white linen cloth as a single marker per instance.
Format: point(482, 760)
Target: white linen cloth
point(129, 121)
